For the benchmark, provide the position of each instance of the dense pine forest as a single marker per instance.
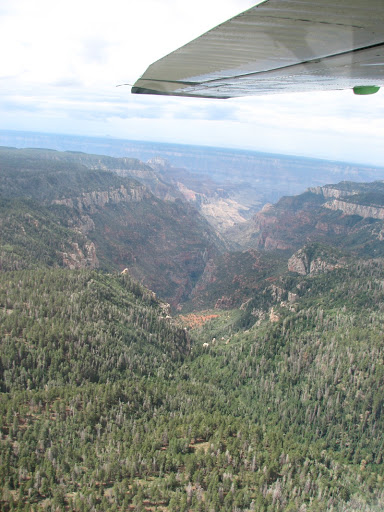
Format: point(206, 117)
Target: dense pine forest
point(108, 404)
point(271, 401)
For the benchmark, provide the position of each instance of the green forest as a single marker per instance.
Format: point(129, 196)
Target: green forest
point(107, 403)
point(263, 391)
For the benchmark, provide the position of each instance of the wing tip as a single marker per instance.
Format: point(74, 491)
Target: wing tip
point(364, 90)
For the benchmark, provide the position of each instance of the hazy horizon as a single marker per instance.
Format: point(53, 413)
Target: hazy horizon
point(7, 134)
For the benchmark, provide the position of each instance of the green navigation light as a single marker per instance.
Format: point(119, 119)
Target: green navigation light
point(362, 90)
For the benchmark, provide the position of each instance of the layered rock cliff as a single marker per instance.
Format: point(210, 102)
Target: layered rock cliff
point(98, 218)
point(90, 201)
point(349, 208)
point(314, 259)
point(348, 215)
point(331, 191)
point(223, 205)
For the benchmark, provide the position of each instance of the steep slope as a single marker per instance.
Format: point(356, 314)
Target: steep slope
point(348, 215)
point(104, 406)
point(115, 221)
point(311, 372)
point(106, 403)
point(223, 202)
point(226, 185)
point(126, 167)
point(83, 357)
point(93, 327)
point(233, 278)
point(33, 236)
point(254, 280)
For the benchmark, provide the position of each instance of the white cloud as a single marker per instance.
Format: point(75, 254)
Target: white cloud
point(63, 61)
point(50, 40)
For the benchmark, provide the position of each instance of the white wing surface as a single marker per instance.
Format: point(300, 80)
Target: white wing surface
point(278, 46)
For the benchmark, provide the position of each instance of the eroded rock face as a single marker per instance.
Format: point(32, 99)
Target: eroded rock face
point(373, 212)
point(299, 264)
point(79, 258)
point(292, 297)
point(344, 215)
point(90, 201)
point(305, 262)
point(224, 303)
point(85, 224)
point(273, 316)
point(328, 192)
point(276, 292)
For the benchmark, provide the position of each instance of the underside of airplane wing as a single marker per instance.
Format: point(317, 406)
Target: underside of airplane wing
point(278, 46)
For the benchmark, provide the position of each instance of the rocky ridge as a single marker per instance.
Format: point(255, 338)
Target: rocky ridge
point(311, 260)
point(218, 203)
point(97, 218)
point(331, 191)
point(81, 259)
point(349, 208)
point(348, 214)
point(90, 201)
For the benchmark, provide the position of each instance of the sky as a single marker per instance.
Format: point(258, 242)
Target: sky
point(61, 62)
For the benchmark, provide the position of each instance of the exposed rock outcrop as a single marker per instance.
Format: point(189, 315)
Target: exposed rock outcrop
point(90, 201)
point(347, 215)
point(79, 258)
point(373, 212)
point(276, 292)
point(329, 191)
point(273, 316)
point(311, 260)
point(85, 224)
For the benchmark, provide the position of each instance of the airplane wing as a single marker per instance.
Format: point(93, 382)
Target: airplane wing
point(278, 46)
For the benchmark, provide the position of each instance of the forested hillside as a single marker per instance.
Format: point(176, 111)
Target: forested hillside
point(108, 405)
point(93, 327)
point(347, 215)
point(33, 235)
point(39, 159)
point(266, 394)
point(232, 278)
point(69, 210)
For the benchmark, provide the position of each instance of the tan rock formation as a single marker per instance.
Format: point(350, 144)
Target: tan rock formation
point(374, 212)
point(90, 201)
point(81, 258)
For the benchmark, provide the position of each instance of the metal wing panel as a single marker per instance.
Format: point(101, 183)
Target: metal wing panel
point(280, 45)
